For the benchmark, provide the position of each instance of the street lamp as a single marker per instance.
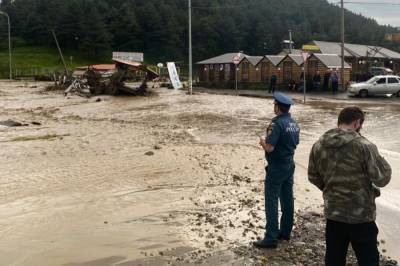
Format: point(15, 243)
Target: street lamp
point(190, 49)
point(9, 40)
point(342, 44)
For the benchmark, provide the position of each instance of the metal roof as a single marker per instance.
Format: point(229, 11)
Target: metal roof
point(330, 48)
point(254, 60)
point(331, 60)
point(286, 52)
point(356, 50)
point(221, 59)
point(127, 62)
point(275, 59)
point(298, 59)
point(389, 53)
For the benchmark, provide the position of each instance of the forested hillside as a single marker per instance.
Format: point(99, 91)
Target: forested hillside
point(159, 27)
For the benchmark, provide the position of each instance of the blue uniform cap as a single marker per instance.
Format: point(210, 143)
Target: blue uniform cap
point(283, 99)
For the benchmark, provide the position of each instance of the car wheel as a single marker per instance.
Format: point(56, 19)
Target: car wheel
point(363, 93)
point(398, 94)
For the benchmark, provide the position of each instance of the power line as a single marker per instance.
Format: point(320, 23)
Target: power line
point(224, 7)
point(370, 3)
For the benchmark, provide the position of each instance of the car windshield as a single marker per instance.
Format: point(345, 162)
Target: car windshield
point(372, 80)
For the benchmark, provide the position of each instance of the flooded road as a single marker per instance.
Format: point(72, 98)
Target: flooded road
point(157, 180)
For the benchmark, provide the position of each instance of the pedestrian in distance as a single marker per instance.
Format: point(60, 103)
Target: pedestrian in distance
point(327, 76)
point(335, 82)
point(272, 84)
point(279, 145)
point(317, 81)
point(348, 169)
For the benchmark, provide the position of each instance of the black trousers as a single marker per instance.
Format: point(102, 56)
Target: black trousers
point(363, 239)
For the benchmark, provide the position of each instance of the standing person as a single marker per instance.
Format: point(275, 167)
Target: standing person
point(272, 85)
point(348, 169)
point(317, 81)
point(335, 81)
point(327, 76)
point(279, 146)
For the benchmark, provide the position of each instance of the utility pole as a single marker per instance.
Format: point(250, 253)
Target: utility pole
point(59, 50)
point(9, 40)
point(190, 50)
point(342, 48)
point(290, 42)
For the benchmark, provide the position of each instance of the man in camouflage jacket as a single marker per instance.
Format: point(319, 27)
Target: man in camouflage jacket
point(348, 169)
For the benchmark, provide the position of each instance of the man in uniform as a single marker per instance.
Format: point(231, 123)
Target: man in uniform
point(348, 169)
point(279, 146)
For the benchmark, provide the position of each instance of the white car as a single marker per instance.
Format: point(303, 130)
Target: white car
point(378, 85)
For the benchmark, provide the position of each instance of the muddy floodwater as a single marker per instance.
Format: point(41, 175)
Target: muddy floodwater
point(169, 179)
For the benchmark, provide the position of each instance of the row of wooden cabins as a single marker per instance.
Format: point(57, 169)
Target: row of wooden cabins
point(256, 69)
point(324, 57)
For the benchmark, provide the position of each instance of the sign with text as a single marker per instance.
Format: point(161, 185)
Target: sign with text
point(173, 76)
point(136, 57)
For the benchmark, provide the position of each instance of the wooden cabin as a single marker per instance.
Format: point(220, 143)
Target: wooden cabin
point(268, 66)
point(248, 70)
point(218, 69)
point(291, 68)
point(326, 63)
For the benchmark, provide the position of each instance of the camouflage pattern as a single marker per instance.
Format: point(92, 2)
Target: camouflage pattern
point(348, 169)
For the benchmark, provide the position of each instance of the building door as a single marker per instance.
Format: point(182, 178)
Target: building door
point(227, 69)
point(265, 70)
point(221, 72)
point(245, 71)
point(312, 68)
point(211, 74)
point(287, 71)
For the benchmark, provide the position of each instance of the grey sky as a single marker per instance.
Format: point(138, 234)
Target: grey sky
point(384, 14)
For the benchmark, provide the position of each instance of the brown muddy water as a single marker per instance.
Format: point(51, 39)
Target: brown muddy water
point(167, 179)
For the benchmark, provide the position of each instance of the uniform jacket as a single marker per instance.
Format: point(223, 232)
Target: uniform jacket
point(347, 167)
point(283, 134)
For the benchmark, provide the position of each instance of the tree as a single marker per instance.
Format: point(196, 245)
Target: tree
point(95, 40)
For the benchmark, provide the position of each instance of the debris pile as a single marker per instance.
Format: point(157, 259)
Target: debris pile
point(78, 87)
point(93, 83)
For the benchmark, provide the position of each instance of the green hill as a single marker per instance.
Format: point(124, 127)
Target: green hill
point(159, 28)
point(31, 60)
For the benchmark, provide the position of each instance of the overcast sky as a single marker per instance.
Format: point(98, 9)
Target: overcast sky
point(384, 14)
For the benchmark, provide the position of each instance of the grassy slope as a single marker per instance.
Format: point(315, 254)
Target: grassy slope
point(41, 58)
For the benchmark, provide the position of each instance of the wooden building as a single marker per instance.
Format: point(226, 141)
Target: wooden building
point(248, 70)
point(218, 69)
point(268, 66)
point(327, 63)
point(360, 56)
point(291, 68)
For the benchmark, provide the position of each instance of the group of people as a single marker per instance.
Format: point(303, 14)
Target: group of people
point(330, 81)
point(344, 165)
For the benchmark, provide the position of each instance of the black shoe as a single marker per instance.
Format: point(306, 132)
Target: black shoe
point(282, 237)
point(265, 244)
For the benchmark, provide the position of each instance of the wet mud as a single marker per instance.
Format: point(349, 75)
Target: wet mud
point(169, 179)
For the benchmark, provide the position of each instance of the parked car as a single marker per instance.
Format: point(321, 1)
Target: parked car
point(379, 85)
point(379, 71)
point(372, 72)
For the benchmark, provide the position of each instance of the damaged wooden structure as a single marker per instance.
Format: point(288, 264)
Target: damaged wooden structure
point(110, 79)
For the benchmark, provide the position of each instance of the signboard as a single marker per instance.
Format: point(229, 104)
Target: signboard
point(173, 76)
point(136, 57)
point(310, 47)
point(304, 55)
